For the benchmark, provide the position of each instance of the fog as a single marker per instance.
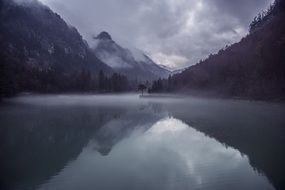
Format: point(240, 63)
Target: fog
point(93, 100)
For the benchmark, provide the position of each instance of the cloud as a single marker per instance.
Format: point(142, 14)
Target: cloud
point(176, 33)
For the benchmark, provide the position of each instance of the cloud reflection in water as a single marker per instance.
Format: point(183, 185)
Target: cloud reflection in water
point(169, 155)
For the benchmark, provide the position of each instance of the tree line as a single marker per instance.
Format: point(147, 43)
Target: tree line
point(16, 78)
point(264, 16)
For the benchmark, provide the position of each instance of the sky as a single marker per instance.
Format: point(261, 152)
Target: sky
point(174, 33)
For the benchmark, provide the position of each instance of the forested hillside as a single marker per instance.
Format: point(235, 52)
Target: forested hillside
point(40, 52)
point(253, 68)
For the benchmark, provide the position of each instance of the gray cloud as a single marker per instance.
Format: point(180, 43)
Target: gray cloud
point(176, 33)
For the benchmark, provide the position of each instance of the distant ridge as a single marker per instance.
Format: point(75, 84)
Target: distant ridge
point(131, 62)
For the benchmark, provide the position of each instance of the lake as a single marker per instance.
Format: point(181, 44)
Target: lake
point(72, 142)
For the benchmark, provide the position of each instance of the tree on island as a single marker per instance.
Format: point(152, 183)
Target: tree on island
point(141, 87)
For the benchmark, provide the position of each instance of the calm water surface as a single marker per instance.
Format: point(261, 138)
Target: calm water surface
point(72, 142)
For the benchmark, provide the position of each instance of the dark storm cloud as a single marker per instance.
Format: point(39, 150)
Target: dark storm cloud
point(176, 33)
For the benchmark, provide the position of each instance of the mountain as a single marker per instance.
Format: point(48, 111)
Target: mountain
point(40, 52)
point(172, 71)
point(253, 68)
point(132, 63)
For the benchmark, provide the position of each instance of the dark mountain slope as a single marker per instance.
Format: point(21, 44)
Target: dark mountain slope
point(253, 68)
point(40, 52)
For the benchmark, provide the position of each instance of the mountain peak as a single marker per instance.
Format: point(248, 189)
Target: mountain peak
point(104, 36)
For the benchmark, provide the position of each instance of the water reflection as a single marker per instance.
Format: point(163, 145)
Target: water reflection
point(169, 155)
point(127, 142)
point(39, 135)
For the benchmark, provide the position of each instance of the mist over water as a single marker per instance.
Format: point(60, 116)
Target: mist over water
point(127, 142)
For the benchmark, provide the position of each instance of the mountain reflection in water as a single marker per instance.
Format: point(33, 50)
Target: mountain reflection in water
point(126, 142)
point(169, 155)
